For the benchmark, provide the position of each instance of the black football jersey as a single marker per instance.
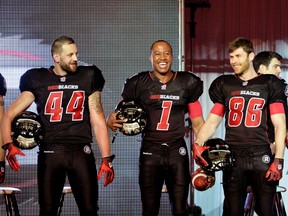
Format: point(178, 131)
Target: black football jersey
point(3, 87)
point(62, 101)
point(247, 106)
point(271, 130)
point(165, 104)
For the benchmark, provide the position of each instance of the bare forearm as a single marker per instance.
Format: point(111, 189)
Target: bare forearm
point(99, 124)
point(279, 122)
point(208, 129)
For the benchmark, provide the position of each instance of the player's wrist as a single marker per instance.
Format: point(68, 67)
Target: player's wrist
point(109, 158)
point(6, 145)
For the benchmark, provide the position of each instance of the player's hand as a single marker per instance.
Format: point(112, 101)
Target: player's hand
point(11, 156)
point(107, 169)
point(274, 173)
point(2, 171)
point(197, 154)
point(113, 123)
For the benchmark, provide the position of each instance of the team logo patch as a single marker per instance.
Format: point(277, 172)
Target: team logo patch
point(62, 79)
point(286, 90)
point(182, 151)
point(87, 149)
point(266, 159)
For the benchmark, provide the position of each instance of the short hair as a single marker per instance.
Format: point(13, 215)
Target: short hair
point(246, 44)
point(164, 41)
point(264, 58)
point(59, 42)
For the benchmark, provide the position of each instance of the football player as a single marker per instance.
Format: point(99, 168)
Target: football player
point(3, 90)
point(166, 96)
point(245, 98)
point(68, 99)
point(268, 62)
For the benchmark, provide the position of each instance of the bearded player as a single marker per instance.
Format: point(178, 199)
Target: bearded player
point(68, 100)
point(166, 96)
point(245, 99)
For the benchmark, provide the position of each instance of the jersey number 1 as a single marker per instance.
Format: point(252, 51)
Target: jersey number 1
point(166, 110)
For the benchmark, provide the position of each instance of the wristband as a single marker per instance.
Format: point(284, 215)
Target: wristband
point(109, 158)
point(5, 146)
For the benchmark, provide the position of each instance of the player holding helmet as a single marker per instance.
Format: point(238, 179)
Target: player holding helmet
point(166, 96)
point(245, 98)
point(68, 100)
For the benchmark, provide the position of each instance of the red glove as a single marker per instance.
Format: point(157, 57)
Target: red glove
point(197, 154)
point(2, 171)
point(274, 172)
point(107, 168)
point(11, 156)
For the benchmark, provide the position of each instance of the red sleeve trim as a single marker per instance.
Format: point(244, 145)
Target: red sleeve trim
point(195, 109)
point(218, 109)
point(276, 108)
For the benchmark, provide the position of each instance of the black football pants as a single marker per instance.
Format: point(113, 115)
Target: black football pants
point(250, 167)
point(77, 161)
point(159, 163)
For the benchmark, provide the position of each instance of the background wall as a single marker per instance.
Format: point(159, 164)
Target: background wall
point(115, 35)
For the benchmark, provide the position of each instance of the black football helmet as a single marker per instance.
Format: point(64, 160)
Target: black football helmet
point(218, 156)
point(134, 112)
point(27, 130)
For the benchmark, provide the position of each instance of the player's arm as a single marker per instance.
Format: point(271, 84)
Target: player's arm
point(279, 122)
point(25, 99)
point(274, 173)
point(98, 122)
point(206, 132)
point(196, 116)
point(100, 129)
point(2, 151)
point(212, 122)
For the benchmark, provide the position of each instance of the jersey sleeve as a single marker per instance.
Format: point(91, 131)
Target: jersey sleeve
point(216, 91)
point(26, 83)
point(98, 79)
point(278, 90)
point(3, 87)
point(195, 87)
point(130, 87)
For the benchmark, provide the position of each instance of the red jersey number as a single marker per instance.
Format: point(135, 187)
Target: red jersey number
point(75, 107)
point(253, 112)
point(166, 110)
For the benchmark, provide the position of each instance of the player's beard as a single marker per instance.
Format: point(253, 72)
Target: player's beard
point(241, 70)
point(69, 68)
